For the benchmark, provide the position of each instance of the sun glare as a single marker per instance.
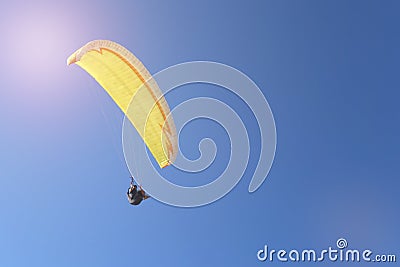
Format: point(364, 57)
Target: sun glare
point(35, 42)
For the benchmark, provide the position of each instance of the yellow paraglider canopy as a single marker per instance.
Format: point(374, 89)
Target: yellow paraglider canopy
point(121, 74)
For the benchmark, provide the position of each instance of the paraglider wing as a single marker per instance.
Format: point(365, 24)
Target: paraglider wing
point(130, 85)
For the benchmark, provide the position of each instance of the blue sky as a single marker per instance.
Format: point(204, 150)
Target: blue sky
point(329, 70)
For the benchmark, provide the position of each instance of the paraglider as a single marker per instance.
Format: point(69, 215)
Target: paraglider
point(129, 84)
point(135, 197)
